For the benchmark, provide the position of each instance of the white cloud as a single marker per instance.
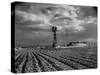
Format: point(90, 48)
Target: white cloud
point(72, 12)
point(91, 19)
point(30, 16)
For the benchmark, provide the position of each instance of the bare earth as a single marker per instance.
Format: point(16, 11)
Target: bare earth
point(44, 60)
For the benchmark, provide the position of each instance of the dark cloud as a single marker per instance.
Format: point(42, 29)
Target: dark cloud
point(89, 11)
point(95, 9)
point(22, 6)
point(30, 29)
point(33, 20)
point(17, 21)
point(90, 32)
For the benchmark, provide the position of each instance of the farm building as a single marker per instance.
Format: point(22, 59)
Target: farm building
point(77, 44)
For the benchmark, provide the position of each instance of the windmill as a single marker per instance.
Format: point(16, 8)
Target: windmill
point(54, 30)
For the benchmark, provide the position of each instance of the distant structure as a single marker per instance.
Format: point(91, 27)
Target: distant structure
point(77, 44)
point(54, 30)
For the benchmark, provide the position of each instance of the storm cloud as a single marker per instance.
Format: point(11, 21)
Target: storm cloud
point(33, 22)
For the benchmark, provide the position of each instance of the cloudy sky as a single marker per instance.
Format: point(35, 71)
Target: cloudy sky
point(33, 22)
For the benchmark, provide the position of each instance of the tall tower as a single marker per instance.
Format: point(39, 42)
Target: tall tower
point(54, 30)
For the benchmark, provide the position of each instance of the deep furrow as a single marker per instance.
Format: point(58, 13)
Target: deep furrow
point(56, 63)
point(85, 63)
point(17, 63)
point(89, 56)
point(33, 67)
point(93, 57)
point(36, 63)
point(23, 67)
point(24, 59)
point(53, 63)
point(22, 54)
point(18, 55)
point(80, 57)
point(42, 61)
point(43, 66)
point(87, 59)
point(46, 64)
point(68, 62)
point(29, 66)
point(30, 55)
point(18, 60)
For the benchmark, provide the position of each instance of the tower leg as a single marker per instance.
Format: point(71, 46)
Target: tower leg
point(54, 40)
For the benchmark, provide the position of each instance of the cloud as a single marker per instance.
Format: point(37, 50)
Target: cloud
point(28, 16)
point(72, 22)
point(67, 19)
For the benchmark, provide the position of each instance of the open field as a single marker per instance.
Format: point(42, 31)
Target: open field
point(44, 60)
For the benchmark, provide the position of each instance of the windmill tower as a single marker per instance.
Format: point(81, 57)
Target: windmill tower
point(54, 30)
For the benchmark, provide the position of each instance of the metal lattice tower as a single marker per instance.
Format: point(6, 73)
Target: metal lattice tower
point(54, 30)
